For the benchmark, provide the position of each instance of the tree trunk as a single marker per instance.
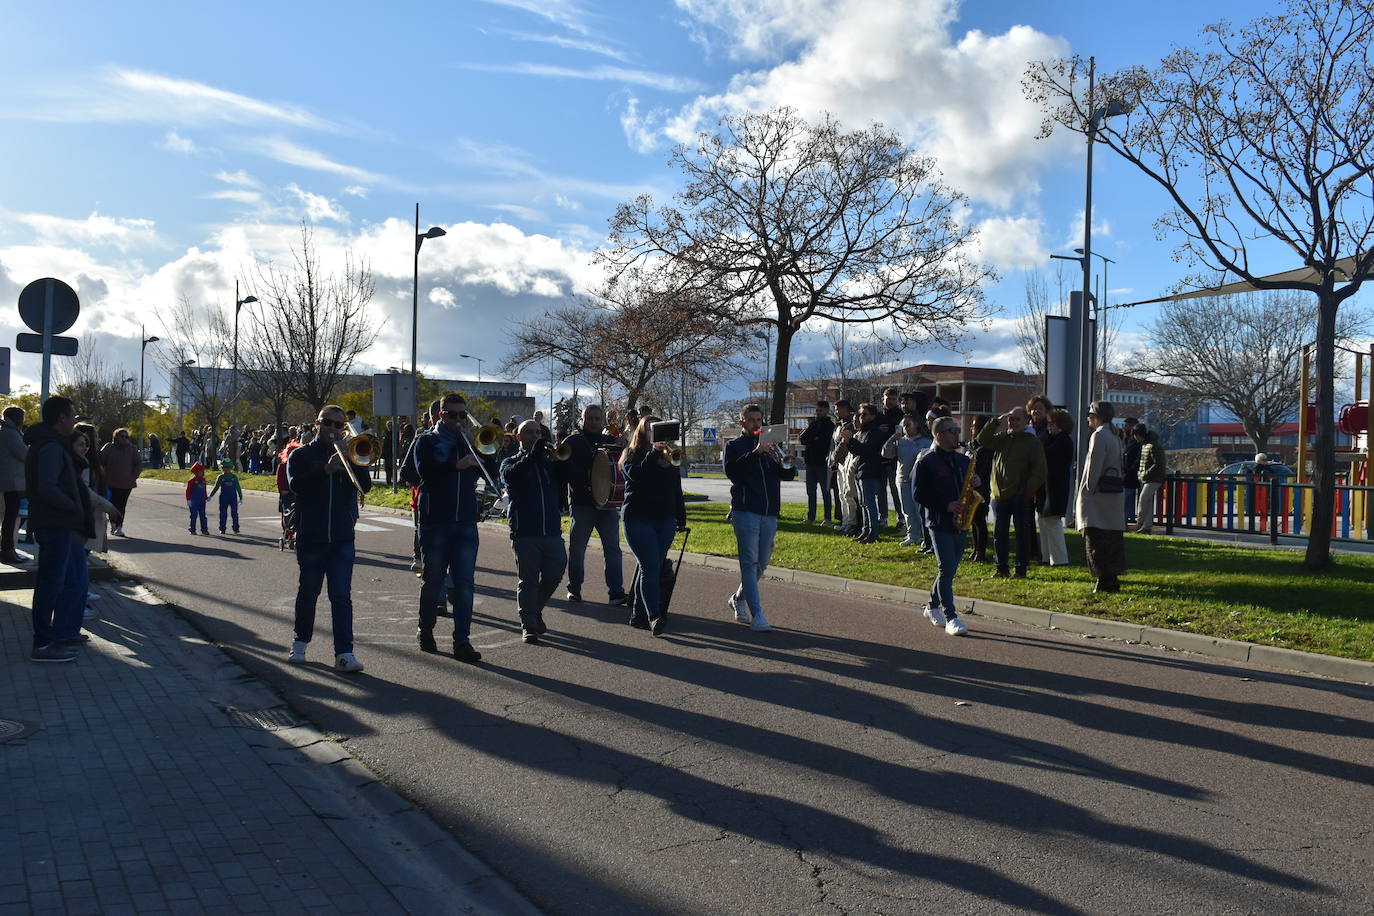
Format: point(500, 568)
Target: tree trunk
point(1324, 451)
point(777, 412)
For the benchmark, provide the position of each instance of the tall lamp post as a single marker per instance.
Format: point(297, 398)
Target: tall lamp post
point(1102, 318)
point(142, 352)
point(433, 233)
point(238, 306)
point(180, 382)
point(479, 363)
point(768, 367)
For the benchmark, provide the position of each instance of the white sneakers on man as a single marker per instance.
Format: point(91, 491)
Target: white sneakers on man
point(935, 616)
point(739, 609)
point(348, 663)
point(297, 651)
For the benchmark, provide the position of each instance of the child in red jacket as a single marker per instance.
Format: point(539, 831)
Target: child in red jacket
point(196, 498)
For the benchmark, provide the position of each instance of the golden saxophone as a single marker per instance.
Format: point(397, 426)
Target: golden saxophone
point(970, 497)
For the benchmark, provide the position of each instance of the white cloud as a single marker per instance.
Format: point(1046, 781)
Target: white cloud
point(897, 63)
point(355, 190)
point(565, 13)
point(284, 150)
point(1074, 237)
point(240, 178)
point(117, 232)
point(664, 81)
point(176, 143)
point(1011, 242)
point(317, 206)
point(566, 203)
point(238, 195)
point(441, 297)
point(571, 44)
point(529, 214)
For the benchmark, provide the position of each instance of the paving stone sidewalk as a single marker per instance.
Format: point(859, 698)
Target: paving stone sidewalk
point(149, 784)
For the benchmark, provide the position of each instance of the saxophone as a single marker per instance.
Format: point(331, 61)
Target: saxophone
point(970, 497)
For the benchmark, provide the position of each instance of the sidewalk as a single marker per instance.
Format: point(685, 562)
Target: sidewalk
point(152, 775)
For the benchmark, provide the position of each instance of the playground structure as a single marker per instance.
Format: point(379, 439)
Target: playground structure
point(1353, 419)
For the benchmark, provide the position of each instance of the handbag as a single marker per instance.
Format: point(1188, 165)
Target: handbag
point(1110, 483)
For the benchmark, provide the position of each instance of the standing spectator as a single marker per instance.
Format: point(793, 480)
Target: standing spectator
point(755, 471)
point(1054, 498)
point(12, 452)
point(536, 527)
point(1152, 470)
point(1130, 467)
point(389, 452)
point(355, 423)
point(982, 459)
point(583, 444)
point(846, 489)
point(815, 443)
point(209, 446)
point(154, 451)
point(182, 446)
point(866, 451)
point(122, 464)
point(61, 521)
point(1101, 509)
point(906, 448)
point(71, 611)
point(1038, 409)
point(654, 512)
point(1018, 472)
point(889, 425)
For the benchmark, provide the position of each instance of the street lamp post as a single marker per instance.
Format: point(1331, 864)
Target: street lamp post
point(238, 305)
point(767, 339)
point(479, 363)
point(142, 352)
point(1101, 317)
point(433, 233)
point(181, 394)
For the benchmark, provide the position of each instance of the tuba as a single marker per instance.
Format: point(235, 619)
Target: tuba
point(970, 497)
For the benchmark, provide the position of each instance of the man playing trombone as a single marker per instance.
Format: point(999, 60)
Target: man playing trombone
point(326, 487)
point(448, 465)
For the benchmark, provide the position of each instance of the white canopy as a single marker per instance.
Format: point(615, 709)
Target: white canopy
point(1344, 267)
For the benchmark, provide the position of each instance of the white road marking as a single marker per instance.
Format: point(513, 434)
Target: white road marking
point(390, 520)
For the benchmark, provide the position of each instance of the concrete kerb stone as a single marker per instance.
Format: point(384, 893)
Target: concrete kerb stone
point(1092, 626)
point(1196, 642)
point(1031, 616)
point(1310, 663)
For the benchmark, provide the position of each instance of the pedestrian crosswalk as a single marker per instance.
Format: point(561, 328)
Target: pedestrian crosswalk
point(364, 522)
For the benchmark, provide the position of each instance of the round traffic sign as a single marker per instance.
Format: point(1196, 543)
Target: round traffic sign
point(33, 301)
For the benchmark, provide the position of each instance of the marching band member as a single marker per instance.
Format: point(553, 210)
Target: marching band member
point(654, 512)
point(583, 444)
point(536, 527)
point(326, 510)
point(446, 463)
point(940, 474)
point(756, 472)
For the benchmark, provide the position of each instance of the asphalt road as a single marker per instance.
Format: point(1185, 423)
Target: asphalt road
point(856, 759)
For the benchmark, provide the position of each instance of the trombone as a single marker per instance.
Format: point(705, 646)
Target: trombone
point(487, 439)
point(360, 451)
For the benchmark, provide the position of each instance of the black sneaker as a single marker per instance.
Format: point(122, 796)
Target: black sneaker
point(426, 640)
point(658, 625)
point(539, 626)
point(639, 623)
point(575, 597)
point(80, 639)
point(620, 599)
point(464, 652)
point(52, 652)
point(529, 634)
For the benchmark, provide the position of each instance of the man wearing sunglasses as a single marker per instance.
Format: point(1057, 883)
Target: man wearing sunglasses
point(326, 511)
point(446, 463)
point(939, 482)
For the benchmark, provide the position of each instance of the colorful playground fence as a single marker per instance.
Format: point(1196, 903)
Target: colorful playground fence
point(1256, 506)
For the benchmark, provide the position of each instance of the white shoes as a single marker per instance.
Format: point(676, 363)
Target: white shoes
point(935, 616)
point(759, 623)
point(297, 651)
point(119, 530)
point(956, 627)
point(908, 542)
point(739, 609)
point(348, 663)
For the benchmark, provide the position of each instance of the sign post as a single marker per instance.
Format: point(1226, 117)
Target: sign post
point(49, 307)
point(391, 391)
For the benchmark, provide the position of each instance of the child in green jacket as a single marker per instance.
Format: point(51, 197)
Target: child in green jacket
point(227, 486)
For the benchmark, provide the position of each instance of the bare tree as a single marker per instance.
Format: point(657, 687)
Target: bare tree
point(311, 325)
point(638, 328)
point(196, 352)
point(98, 389)
point(1262, 135)
point(783, 221)
point(1030, 328)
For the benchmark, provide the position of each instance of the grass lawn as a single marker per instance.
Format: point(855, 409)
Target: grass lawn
point(1253, 594)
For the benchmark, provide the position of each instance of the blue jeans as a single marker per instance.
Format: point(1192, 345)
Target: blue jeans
point(321, 563)
point(1129, 493)
point(754, 535)
point(650, 541)
point(197, 509)
point(225, 507)
point(817, 478)
point(59, 550)
point(911, 513)
point(539, 565)
point(606, 524)
point(1006, 511)
point(872, 493)
point(72, 605)
point(949, 549)
point(448, 549)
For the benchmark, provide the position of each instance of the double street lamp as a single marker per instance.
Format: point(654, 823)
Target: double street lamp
point(238, 306)
point(433, 233)
point(1101, 300)
point(478, 358)
point(142, 406)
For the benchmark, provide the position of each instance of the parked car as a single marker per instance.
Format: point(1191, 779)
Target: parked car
point(1247, 469)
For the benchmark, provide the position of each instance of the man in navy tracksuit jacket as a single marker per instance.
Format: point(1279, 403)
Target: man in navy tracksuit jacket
point(536, 526)
point(446, 464)
point(755, 471)
point(939, 482)
point(326, 510)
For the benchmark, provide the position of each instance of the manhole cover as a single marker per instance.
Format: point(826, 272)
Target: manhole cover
point(12, 730)
point(265, 719)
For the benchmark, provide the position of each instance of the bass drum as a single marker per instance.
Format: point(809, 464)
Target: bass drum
point(608, 479)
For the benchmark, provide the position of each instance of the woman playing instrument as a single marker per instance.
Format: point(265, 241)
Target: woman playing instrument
point(653, 514)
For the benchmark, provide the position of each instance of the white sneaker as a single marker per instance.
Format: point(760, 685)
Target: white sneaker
point(347, 663)
point(935, 615)
point(739, 609)
point(119, 531)
point(956, 627)
point(907, 542)
point(759, 623)
point(297, 651)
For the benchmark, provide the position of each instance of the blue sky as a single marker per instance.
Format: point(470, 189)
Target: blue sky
point(154, 150)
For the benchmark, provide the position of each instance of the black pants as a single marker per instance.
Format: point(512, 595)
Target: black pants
point(979, 530)
point(181, 459)
point(1009, 511)
point(12, 498)
point(120, 497)
point(1106, 550)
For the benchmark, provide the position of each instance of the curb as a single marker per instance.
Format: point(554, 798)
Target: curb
point(419, 862)
point(1347, 669)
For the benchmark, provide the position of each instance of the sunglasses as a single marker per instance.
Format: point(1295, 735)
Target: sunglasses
point(456, 414)
point(949, 429)
point(337, 424)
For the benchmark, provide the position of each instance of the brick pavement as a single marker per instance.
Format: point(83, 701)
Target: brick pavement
point(139, 793)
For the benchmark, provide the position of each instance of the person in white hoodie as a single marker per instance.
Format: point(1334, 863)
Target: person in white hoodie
point(906, 446)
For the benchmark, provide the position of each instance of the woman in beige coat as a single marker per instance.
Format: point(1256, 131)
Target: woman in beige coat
point(1101, 508)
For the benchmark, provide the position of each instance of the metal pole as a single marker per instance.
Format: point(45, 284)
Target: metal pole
point(234, 404)
point(1084, 380)
point(395, 434)
point(142, 352)
point(47, 339)
point(415, 321)
point(1302, 420)
point(1102, 322)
